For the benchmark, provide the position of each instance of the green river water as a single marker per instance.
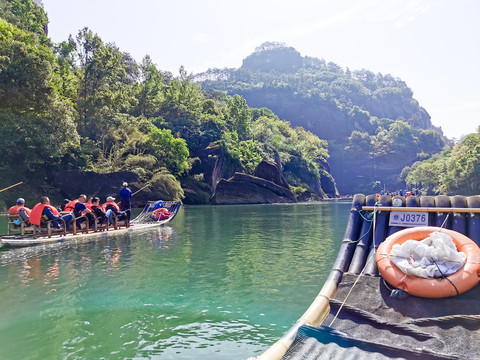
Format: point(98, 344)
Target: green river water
point(220, 282)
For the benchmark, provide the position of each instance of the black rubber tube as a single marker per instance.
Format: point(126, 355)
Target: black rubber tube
point(429, 201)
point(348, 244)
point(412, 201)
point(364, 241)
point(380, 233)
point(393, 229)
point(459, 220)
point(473, 220)
point(443, 201)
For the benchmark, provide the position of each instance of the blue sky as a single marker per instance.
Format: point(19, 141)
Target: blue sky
point(432, 45)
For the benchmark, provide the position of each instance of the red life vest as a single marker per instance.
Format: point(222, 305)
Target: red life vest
point(14, 210)
point(88, 205)
point(71, 205)
point(161, 214)
point(113, 203)
point(37, 212)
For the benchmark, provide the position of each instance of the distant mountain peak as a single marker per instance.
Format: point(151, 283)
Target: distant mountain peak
point(273, 57)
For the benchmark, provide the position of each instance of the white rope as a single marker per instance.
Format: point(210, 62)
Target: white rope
point(364, 267)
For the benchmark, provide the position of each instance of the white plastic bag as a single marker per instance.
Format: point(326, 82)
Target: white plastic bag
point(433, 257)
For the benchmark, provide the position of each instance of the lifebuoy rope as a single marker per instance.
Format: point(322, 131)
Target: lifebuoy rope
point(446, 277)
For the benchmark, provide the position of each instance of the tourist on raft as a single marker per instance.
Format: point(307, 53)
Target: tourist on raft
point(65, 202)
point(161, 214)
point(43, 208)
point(113, 206)
point(89, 202)
point(125, 197)
point(79, 209)
point(99, 213)
point(20, 210)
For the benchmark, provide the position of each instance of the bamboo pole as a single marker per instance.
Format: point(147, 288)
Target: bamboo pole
point(136, 192)
point(421, 209)
point(11, 186)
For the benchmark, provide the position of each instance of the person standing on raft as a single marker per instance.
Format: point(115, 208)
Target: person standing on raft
point(125, 197)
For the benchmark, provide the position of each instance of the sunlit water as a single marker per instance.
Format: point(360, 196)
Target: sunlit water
point(220, 282)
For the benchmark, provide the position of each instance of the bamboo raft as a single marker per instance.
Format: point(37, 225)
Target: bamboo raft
point(357, 315)
point(142, 222)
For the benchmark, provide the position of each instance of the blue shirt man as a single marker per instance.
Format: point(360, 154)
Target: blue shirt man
point(51, 216)
point(125, 196)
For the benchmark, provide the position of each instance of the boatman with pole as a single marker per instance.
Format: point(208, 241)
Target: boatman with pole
point(125, 197)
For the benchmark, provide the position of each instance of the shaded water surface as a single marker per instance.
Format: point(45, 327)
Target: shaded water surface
point(220, 282)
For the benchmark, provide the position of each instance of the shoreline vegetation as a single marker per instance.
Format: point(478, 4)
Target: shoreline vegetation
point(85, 109)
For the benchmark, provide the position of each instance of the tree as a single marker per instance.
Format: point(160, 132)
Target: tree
point(238, 116)
point(25, 15)
point(170, 152)
point(36, 122)
point(150, 89)
point(453, 171)
point(26, 70)
point(106, 82)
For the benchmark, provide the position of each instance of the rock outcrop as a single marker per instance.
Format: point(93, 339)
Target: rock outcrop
point(270, 171)
point(250, 189)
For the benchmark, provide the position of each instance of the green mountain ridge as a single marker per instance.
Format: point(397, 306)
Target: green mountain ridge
point(372, 123)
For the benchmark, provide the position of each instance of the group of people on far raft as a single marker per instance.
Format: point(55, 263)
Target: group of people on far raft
point(81, 209)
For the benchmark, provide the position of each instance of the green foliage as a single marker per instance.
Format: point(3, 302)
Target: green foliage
point(454, 171)
point(36, 123)
point(298, 190)
point(26, 66)
point(170, 152)
point(25, 15)
point(238, 117)
point(166, 186)
point(84, 104)
point(369, 119)
point(149, 92)
point(314, 94)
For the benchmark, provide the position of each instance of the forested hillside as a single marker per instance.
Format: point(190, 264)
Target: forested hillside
point(454, 171)
point(373, 125)
point(84, 104)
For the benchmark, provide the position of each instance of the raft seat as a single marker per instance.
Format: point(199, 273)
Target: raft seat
point(99, 224)
point(119, 221)
point(83, 227)
point(46, 227)
point(21, 228)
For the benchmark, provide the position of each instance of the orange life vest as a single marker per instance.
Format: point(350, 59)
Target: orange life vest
point(14, 210)
point(161, 214)
point(113, 203)
point(71, 205)
point(37, 212)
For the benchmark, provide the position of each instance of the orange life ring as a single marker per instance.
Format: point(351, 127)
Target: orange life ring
point(463, 280)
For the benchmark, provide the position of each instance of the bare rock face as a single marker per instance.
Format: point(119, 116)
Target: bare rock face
point(269, 171)
point(250, 189)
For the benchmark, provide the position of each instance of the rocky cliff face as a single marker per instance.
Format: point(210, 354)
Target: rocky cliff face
point(270, 171)
point(241, 188)
point(248, 189)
